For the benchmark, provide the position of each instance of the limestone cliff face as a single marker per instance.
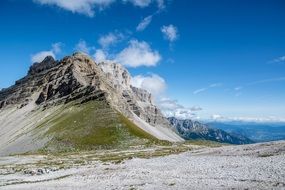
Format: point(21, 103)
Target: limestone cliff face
point(79, 78)
point(138, 100)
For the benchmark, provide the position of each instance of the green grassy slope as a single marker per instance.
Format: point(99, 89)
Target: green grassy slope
point(92, 125)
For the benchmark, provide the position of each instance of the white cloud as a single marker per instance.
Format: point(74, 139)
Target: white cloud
point(146, 3)
point(154, 84)
point(100, 56)
point(214, 85)
point(139, 3)
point(82, 46)
point(138, 54)
point(40, 56)
point(171, 108)
point(85, 7)
point(144, 23)
point(110, 39)
point(170, 32)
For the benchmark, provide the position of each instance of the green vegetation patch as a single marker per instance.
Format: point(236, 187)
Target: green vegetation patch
point(92, 125)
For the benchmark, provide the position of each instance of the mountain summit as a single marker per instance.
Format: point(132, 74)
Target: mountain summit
point(75, 103)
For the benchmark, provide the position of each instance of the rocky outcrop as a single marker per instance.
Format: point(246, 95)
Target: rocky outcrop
point(189, 129)
point(72, 78)
point(117, 75)
point(138, 100)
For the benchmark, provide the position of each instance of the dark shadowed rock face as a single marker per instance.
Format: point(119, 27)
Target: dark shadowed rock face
point(46, 64)
point(55, 81)
point(189, 129)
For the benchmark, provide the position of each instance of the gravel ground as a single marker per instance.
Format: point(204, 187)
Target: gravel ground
point(257, 166)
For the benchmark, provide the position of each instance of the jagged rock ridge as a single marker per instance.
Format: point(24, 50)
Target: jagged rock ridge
point(189, 129)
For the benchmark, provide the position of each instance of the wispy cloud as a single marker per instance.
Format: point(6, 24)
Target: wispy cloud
point(238, 94)
point(214, 85)
point(199, 90)
point(278, 79)
point(238, 88)
point(196, 108)
point(268, 119)
point(278, 60)
point(40, 56)
point(160, 4)
point(82, 46)
point(110, 39)
point(237, 91)
point(144, 23)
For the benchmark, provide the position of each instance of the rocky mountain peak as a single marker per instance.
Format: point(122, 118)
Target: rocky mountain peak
point(46, 64)
point(77, 79)
point(54, 82)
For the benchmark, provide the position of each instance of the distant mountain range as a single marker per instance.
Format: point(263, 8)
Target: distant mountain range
point(189, 129)
point(255, 131)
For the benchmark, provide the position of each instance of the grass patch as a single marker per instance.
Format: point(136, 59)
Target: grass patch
point(264, 155)
point(92, 125)
point(135, 130)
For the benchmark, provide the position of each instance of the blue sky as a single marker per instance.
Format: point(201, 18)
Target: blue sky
point(205, 59)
